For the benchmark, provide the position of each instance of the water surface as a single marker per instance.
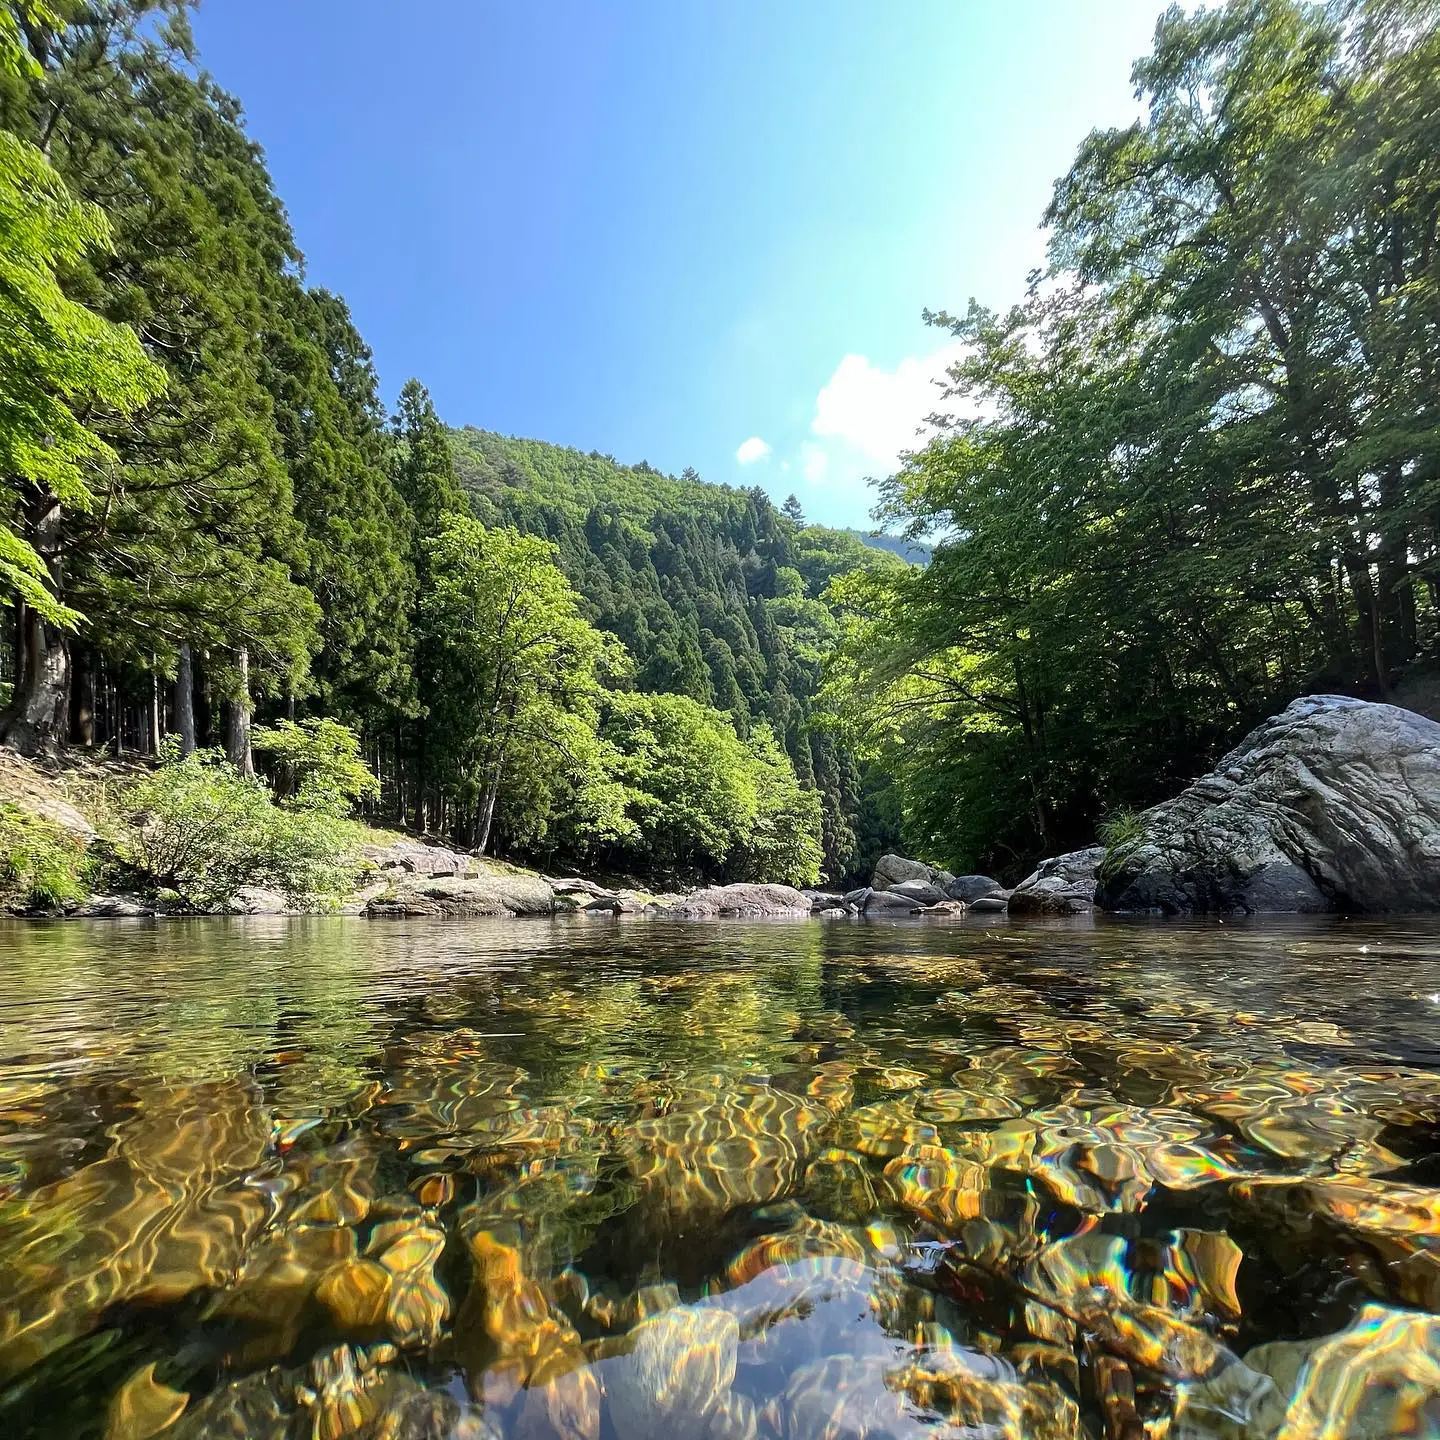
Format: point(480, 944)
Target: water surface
point(792, 1182)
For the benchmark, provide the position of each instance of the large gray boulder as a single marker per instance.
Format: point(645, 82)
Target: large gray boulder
point(456, 897)
point(744, 901)
point(413, 857)
point(1332, 805)
point(922, 892)
point(973, 887)
point(890, 902)
point(893, 870)
point(1062, 886)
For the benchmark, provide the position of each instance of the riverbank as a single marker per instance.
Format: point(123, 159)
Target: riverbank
point(61, 821)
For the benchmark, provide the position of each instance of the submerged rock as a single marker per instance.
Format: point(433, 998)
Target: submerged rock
point(677, 1374)
point(1332, 805)
point(1062, 886)
point(143, 1407)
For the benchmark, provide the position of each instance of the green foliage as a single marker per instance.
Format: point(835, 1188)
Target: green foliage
point(715, 593)
point(704, 802)
point(57, 358)
point(196, 827)
point(1120, 833)
point(781, 841)
point(1203, 475)
point(42, 865)
point(517, 667)
point(322, 764)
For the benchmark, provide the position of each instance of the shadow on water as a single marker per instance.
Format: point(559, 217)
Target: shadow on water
point(599, 1180)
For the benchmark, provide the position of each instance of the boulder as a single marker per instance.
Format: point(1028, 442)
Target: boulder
point(857, 898)
point(459, 897)
point(576, 885)
point(253, 900)
point(111, 907)
point(1064, 885)
point(945, 910)
point(922, 892)
point(745, 901)
point(893, 870)
point(1333, 805)
point(612, 905)
point(412, 857)
point(990, 904)
point(973, 887)
point(823, 899)
point(888, 902)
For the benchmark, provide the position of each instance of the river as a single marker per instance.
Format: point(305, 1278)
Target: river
point(799, 1181)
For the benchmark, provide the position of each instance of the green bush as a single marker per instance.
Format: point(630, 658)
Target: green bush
point(42, 865)
point(201, 829)
point(321, 763)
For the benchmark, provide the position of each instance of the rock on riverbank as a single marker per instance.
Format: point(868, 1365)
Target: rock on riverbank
point(1333, 805)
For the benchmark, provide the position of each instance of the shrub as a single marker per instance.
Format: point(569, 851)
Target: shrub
point(198, 827)
point(42, 865)
point(322, 765)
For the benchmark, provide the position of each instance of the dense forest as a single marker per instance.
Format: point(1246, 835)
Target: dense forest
point(1200, 473)
point(1197, 474)
point(212, 520)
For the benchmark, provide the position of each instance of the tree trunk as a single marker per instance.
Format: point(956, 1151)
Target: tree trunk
point(487, 806)
point(20, 660)
point(39, 711)
point(154, 716)
point(116, 708)
point(82, 726)
point(185, 699)
point(38, 714)
point(237, 745)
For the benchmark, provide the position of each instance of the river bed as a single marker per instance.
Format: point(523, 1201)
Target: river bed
point(797, 1181)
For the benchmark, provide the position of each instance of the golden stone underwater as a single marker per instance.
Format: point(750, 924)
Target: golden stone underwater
point(736, 1182)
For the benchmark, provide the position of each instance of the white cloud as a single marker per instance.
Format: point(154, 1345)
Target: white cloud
point(752, 450)
point(814, 462)
point(878, 414)
point(865, 418)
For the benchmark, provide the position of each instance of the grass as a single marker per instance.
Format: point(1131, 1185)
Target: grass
point(1121, 835)
point(42, 865)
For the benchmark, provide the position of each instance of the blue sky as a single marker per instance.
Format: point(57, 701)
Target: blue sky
point(665, 230)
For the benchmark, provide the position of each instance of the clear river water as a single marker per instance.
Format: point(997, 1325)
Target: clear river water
point(316, 1179)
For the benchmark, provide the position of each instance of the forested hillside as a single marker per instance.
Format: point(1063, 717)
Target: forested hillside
point(211, 520)
point(715, 593)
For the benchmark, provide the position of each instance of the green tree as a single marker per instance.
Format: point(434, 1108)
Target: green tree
point(192, 541)
point(518, 667)
point(1202, 476)
point(56, 357)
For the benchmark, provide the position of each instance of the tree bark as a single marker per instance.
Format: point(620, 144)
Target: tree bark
point(83, 684)
point(39, 712)
point(237, 746)
point(185, 699)
point(154, 716)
